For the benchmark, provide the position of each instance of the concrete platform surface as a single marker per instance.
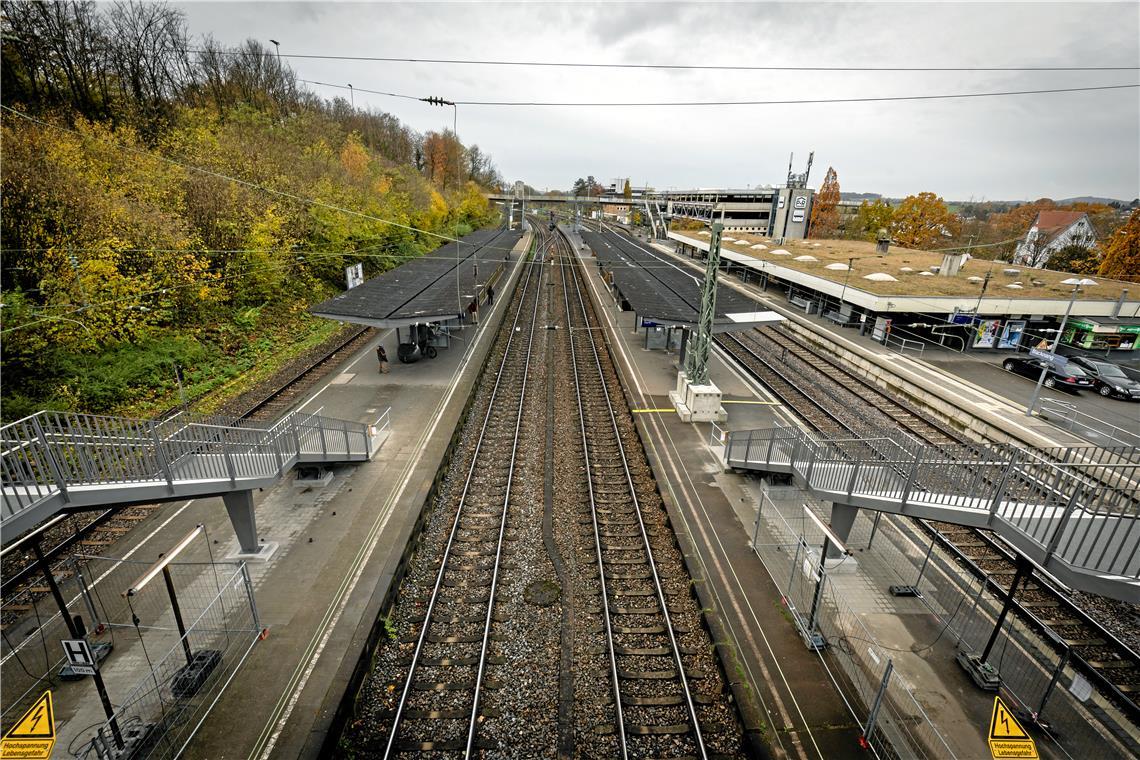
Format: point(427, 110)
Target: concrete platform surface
point(337, 547)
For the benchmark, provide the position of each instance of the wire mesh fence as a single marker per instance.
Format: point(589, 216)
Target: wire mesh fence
point(790, 545)
point(170, 648)
point(1038, 679)
point(1036, 673)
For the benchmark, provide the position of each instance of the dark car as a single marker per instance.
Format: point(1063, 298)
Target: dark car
point(1108, 379)
point(1059, 375)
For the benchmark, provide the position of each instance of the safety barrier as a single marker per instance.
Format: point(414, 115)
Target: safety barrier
point(53, 460)
point(1078, 520)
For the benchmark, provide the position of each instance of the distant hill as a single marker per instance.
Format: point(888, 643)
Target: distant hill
point(859, 196)
point(1091, 199)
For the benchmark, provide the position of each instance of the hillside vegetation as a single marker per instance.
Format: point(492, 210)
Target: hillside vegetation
point(166, 208)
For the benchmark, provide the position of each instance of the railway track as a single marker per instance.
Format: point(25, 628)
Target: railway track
point(439, 707)
point(655, 709)
point(831, 399)
point(585, 629)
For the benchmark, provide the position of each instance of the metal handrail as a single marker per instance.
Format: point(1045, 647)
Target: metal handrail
point(47, 453)
point(1060, 509)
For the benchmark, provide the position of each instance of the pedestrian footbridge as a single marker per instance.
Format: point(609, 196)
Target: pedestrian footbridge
point(1077, 516)
point(60, 462)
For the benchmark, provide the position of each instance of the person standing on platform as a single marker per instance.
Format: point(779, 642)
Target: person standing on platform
point(490, 296)
point(382, 357)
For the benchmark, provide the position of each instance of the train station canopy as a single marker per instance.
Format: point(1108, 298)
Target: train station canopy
point(425, 289)
point(665, 293)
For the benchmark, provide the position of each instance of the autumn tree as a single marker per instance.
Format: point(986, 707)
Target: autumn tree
point(1076, 258)
point(873, 216)
point(922, 221)
point(443, 155)
point(1122, 251)
point(825, 208)
point(627, 192)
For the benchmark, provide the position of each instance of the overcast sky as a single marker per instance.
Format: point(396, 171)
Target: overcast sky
point(1009, 148)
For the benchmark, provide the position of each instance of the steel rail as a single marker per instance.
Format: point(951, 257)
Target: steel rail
point(619, 711)
point(682, 677)
point(506, 507)
point(426, 625)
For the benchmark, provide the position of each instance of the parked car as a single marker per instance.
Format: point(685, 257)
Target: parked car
point(1108, 379)
point(1059, 375)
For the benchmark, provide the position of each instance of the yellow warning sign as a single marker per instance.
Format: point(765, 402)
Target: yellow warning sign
point(1007, 737)
point(33, 736)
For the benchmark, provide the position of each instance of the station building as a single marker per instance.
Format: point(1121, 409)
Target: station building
point(909, 299)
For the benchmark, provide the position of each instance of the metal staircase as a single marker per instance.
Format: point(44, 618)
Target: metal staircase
point(1079, 518)
point(56, 461)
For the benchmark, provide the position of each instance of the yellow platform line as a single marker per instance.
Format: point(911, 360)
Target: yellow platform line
point(648, 411)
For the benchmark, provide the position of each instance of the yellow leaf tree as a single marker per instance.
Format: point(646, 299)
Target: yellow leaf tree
point(922, 221)
point(825, 208)
point(1122, 251)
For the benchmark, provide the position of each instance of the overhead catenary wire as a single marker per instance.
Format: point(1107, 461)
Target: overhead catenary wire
point(659, 66)
point(727, 103)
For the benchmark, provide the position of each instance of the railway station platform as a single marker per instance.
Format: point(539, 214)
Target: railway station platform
point(716, 513)
point(970, 389)
point(795, 705)
point(338, 547)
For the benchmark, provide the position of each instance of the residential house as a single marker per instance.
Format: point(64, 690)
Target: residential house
point(1051, 231)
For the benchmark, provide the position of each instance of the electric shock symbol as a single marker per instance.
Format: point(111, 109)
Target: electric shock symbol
point(33, 736)
point(1007, 738)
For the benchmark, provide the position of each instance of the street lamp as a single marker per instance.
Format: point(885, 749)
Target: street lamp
point(352, 97)
point(277, 45)
point(1076, 283)
point(850, 261)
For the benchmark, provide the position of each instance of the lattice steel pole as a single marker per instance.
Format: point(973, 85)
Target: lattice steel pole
point(697, 364)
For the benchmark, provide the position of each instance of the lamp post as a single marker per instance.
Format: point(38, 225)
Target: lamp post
point(277, 45)
point(1076, 283)
point(352, 97)
point(850, 261)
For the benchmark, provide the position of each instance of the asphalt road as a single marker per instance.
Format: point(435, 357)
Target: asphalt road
point(989, 374)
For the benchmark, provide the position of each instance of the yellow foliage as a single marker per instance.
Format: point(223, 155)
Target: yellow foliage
point(354, 157)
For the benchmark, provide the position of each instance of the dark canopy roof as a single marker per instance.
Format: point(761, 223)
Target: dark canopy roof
point(424, 289)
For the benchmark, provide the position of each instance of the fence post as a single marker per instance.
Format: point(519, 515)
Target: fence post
point(874, 530)
point(163, 463)
point(277, 450)
point(874, 715)
point(1057, 673)
point(811, 466)
point(795, 561)
point(911, 477)
point(249, 592)
point(53, 465)
point(229, 459)
point(759, 510)
point(925, 562)
point(324, 443)
point(999, 493)
point(771, 443)
point(296, 435)
point(1059, 531)
point(851, 484)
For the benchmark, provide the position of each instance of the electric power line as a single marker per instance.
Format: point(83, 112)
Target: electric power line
point(663, 66)
point(705, 103)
